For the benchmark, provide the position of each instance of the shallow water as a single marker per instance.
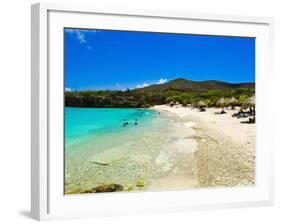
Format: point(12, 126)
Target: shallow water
point(99, 150)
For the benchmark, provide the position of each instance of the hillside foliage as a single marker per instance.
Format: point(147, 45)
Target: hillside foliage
point(182, 91)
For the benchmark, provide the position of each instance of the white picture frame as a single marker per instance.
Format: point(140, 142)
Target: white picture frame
point(48, 201)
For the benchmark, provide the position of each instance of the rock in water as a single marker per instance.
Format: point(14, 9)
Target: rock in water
point(130, 188)
point(105, 188)
point(140, 183)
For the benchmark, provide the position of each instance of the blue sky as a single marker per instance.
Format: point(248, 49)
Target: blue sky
point(102, 59)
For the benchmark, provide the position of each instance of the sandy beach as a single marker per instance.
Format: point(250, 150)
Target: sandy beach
point(225, 154)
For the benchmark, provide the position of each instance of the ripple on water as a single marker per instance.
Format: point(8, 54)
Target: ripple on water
point(149, 153)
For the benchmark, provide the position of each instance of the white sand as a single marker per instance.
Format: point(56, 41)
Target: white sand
point(226, 147)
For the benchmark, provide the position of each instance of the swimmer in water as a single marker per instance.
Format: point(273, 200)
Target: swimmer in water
point(125, 124)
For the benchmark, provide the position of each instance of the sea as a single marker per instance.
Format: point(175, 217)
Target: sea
point(126, 146)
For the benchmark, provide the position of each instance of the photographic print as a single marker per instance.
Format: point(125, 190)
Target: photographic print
point(148, 111)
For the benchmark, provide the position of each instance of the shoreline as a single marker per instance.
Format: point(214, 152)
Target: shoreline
point(156, 155)
point(181, 149)
point(225, 154)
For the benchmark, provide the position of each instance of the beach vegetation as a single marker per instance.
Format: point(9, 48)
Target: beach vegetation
point(182, 91)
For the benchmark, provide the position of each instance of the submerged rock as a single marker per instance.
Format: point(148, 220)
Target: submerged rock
point(140, 183)
point(130, 188)
point(105, 188)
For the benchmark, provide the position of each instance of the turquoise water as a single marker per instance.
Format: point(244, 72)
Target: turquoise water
point(153, 151)
point(81, 123)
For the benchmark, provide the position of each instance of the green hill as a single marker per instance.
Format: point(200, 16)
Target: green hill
point(181, 90)
point(181, 84)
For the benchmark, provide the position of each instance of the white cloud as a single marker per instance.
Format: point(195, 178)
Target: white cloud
point(67, 89)
point(162, 81)
point(80, 35)
point(142, 85)
point(118, 85)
